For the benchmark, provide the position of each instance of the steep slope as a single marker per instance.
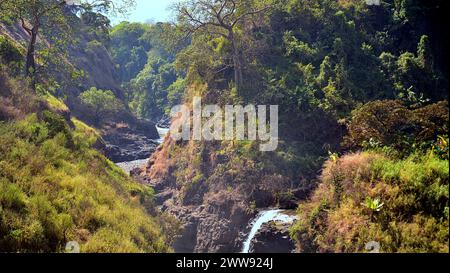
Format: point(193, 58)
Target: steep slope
point(98, 70)
point(399, 205)
point(217, 187)
point(55, 188)
point(86, 55)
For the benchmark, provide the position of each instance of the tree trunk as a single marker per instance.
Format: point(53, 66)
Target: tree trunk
point(237, 64)
point(30, 66)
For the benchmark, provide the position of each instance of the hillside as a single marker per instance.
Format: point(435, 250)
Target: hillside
point(56, 185)
point(323, 63)
point(56, 188)
point(85, 64)
point(353, 95)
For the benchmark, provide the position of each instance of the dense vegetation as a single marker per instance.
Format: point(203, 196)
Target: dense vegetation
point(320, 60)
point(347, 77)
point(394, 193)
point(146, 67)
point(402, 204)
point(51, 194)
point(101, 103)
point(363, 98)
point(55, 188)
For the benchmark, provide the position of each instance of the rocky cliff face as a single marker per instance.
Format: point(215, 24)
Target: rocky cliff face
point(124, 143)
point(214, 192)
point(212, 218)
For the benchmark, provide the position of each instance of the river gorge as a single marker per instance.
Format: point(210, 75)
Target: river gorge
point(128, 166)
point(266, 230)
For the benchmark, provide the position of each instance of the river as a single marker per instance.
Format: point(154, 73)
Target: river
point(127, 167)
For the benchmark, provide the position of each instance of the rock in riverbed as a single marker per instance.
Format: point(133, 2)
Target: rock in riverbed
point(124, 144)
point(273, 237)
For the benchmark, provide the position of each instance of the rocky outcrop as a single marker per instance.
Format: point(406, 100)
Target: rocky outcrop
point(123, 143)
point(215, 208)
point(212, 221)
point(211, 228)
point(273, 237)
point(213, 191)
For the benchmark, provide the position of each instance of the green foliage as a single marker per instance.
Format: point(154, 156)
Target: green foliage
point(97, 25)
point(145, 65)
point(92, 47)
point(176, 93)
point(54, 22)
point(423, 178)
point(55, 125)
point(10, 54)
point(102, 103)
point(412, 217)
point(8, 51)
point(424, 53)
point(379, 70)
point(128, 49)
point(374, 205)
point(55, 103)
point(329, 64)
point(390, 123)
point(441, 147)
point(85, 135)
point(40, 18)
point(149, 90)
point(50, 195)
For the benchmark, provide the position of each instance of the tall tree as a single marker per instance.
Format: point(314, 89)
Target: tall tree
point(219, 17)
point(50, 15)
point(34, 15)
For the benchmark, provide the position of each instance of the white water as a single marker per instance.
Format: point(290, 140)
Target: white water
point(262, 218)
point(127, 167)
point(162, 134)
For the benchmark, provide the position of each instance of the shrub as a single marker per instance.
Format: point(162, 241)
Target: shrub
point(9, 52)
point(101, 102)
point(389, 123)
point(400, 203)
point(56, 124)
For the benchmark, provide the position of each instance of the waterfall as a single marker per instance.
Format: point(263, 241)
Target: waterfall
point(162, 134)
point(262, 218)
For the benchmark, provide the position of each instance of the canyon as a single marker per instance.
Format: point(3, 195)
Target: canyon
point(214, 227)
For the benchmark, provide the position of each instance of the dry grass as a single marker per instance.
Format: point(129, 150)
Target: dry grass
point(414, 217)
point(352, 172)
point(16, 99)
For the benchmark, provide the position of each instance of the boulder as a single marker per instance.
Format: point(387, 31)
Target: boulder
point(273, 237)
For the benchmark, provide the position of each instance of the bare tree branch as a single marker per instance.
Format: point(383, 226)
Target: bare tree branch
point(218, 17)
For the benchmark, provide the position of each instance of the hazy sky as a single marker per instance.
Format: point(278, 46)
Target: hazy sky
point(154, 10)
